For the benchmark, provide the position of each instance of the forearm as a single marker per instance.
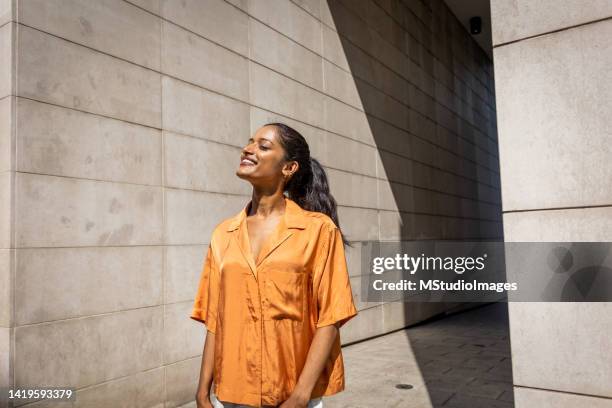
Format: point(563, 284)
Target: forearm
point(315, 360)
point(206, 370)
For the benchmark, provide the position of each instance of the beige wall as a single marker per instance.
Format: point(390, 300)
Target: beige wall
point(552, 76)
point(7, 37)
point(128, 122)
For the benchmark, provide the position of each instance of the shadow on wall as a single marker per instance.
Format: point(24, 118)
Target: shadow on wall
point(428, 95)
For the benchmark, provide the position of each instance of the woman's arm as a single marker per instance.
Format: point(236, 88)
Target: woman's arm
point(315, 361)
point(206, 371)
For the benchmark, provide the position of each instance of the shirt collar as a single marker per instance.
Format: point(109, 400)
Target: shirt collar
point(293, 216)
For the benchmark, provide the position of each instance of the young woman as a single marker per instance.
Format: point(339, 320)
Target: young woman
point(274, 288)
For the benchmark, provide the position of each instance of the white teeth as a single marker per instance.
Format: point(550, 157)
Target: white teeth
point(247, 161)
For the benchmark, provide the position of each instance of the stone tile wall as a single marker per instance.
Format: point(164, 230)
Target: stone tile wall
point(122, 123)
point(553, 82)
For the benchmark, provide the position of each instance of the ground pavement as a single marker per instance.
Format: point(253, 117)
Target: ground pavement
point(459, 361)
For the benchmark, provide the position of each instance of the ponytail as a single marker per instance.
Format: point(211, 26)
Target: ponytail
point(308, 186)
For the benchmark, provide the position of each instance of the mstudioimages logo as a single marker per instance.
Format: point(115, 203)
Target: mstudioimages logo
point(440, 285)
point(405, 262)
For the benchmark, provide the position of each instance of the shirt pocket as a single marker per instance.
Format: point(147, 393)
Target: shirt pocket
point(285, 292)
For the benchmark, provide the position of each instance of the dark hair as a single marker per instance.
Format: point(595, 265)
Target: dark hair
point(308, 186)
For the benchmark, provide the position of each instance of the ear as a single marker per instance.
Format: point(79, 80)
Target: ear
point(291, 168)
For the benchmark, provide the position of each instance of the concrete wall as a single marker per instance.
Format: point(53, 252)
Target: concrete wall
point(7, 100)
point(407, 79)
point(552, 77)
point(128, 122)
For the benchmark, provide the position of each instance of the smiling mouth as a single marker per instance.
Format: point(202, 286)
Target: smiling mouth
point(247, 162)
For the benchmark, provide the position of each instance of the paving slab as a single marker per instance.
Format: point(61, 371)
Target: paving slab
point(454, 361)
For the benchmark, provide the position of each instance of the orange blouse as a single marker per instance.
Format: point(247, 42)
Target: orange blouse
point(264, 315)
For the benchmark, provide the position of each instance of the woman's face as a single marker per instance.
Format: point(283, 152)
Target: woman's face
point(261, 161)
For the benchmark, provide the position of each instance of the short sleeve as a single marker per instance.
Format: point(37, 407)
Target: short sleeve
point(207, 296)
point(331, 282)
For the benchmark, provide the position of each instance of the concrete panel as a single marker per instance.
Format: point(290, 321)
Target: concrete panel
point(277, 52)
point(183, 268)
point(352, 189)
point(191, 216)
point(326, 15)
point(6, 134)
point(289, 19)
point(7, 209)
point(358, 224)
point(527, 398)
point(392, 224)
point(390, 139)
point(356, 157)
point(114, 27)
point(333, 48)
point(83, 352)
point(367, 323)
point(141, 390)
point(311, 6)
point(56, 71)
point(560, 363)
point(6, 287)
point(349, 25)
point(6, 11)
point(6, 58)
point(347, 121)
point(5, 356)
point(277, 93)
point(392, 166)
point(384, 107)
point(341, 85)
point(353, 260)
point(116, 278)
point(59, 211)
point(64, 142)
point(565, 117)
point(199, 164)
point(355, 282)
point(182, 381)
point(182, 335)
point(199, 61)
point(215, 20)
point(390, 195)
point(513, 20)
point(194, 111)
point(576, 363)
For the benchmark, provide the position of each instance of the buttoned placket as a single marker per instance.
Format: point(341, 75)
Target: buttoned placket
point(280, 234)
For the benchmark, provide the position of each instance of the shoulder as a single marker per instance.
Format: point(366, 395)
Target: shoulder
point(320, 221)
point(220, 230)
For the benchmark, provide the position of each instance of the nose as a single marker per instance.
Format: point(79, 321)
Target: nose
point(246, 149)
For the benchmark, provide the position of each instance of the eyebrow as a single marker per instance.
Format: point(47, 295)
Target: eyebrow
point(267, 140)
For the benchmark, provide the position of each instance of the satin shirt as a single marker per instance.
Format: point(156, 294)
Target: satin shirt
point(264, 312)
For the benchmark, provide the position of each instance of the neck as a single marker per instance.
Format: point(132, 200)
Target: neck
point(265, 205)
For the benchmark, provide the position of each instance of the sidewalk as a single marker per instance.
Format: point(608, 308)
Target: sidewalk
point(460, 361)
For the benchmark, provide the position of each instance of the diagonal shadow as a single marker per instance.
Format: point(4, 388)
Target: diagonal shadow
point(430, 111)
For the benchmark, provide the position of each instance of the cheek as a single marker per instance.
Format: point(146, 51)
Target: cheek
point(270, 166)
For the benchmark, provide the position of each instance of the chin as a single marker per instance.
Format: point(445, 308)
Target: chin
point(243, 174)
